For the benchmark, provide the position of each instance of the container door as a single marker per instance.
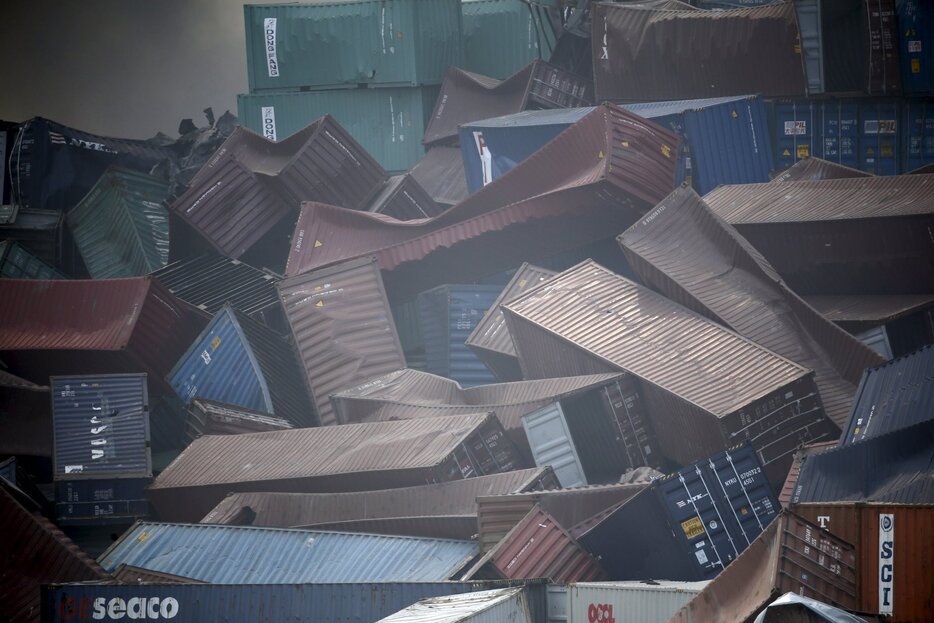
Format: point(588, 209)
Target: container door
point(551, 444)
point(812, 46)
point(917, 133)
point(839, 132)
point(878, 126)
point(627, 410)
point(916, 45)
point(796, 127)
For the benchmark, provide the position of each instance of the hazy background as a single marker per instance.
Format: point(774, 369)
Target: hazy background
point(125, 68)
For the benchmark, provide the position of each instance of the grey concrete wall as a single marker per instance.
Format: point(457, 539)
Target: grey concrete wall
point(127, 68)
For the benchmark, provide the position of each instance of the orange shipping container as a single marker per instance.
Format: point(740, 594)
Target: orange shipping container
point(895, 554)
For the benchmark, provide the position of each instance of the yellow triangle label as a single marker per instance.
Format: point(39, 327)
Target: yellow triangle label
point(786, 153)
point(318, 243)
point(600, 155)
point(522, 283)
point(733, 114)
point(319, 304)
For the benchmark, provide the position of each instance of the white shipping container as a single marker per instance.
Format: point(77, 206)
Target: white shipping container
point(550, 440)
point(629, 602)
point(505, 605)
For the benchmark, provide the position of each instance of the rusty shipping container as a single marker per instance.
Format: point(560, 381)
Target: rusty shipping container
point(705, 388)
point(791, 556)
point(537, 547)
point(341, 325)
point(877, 245)
point(894, 552)
point(458, 497)
point(752, 50)
point(354, 457)
point(719, 275)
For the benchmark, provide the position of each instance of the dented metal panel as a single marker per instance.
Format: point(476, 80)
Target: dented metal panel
point(209, 417)
point(18, 263)
point(403, 198)
point(493, 606)
point(441, 173)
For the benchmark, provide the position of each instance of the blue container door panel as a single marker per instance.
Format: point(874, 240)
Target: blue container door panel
point(796, 124)
point(918, 133)
point(878, 144)
point(840, 133)
point(916, 45)
point(466, 309)
point(220, 366)
point(751, 502)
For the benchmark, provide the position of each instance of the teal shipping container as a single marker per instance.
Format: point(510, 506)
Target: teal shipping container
point(503, 36)
point(389, 123)
point(347, 43)
point(121, 227)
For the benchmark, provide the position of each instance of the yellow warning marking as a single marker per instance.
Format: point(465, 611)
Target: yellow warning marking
point(733, 114)
point(803, 151)
point(318, 243)
point(600, 155)
point(522, 282)
point(319, 304)
point(797, 49)
point(141, 538)
point(317, 288)
point(625, 144)
point(666, 151)
point(870, 151)
point(215, 342)
point(916, 65)
point(786, 152)
point(692, 527)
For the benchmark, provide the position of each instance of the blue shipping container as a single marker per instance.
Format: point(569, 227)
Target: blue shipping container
point(879, 136)
point(448, 315)
point(916, 45)
point(100, 426)
point(94, 502)
point(917, 133)
point(252, 603)
point(839, 132)
point(797, 125)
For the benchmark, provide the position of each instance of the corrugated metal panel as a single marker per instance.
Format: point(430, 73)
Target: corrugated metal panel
point(388, 123)
point(208, 417)
point(495, 606)
point(116, 501)
point(563, 197)
point(120, 227)
point(639, 602)
point(37, 231)
point(271, 603)
point(232, 555)
point(879, 136)
point(125, 574)
point(917, 124)
point(790, 556)
point(404, 42)
point(18, 263)
point(746, 50)
point(849, 236)
point(462, 527)
point(490, 338)
point(403, 198)
point(916, 46)
point(784, 496)
point(895, 467)
point(502, 36)
point(538, 547)
point(498, 514)
point(101, 426)
point(441, 173)
point(892, 396)
point(283, 510)
point(341, 325)
point(238, 361)
point(34, 552)
point(813, 169)
point(705, 387)
point(448, 315)
point(354, 457)
point(912, 553)
point(245, 189)
point(689, 525)
point(552, 445)
point(718, 274)
point(553, 87)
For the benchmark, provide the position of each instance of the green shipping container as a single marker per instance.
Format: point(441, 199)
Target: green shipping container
point(120, 227)
point(389, 123)
point(503, 36)
point(347, 43)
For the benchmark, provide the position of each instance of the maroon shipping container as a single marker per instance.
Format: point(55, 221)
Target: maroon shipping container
point(404, 199)
point(25, 417)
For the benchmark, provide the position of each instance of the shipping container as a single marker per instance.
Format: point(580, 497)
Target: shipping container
point(447, 315)
point(894, 395)
point(18, 263)
point(894, 467)
point(354, 457)
point(265, 603)
point(916, 46)
point(25, 417)
point(796, 131)
point(876, 246)
point(552, 446)
point(503, 36)
point(746, 50)
point(388, 123)
point(209, 417)
point(241, 362)
point(460, 527)
point(403, 198)
point(652, 601)
point(754, 302)
point(812, 169)
point(505, 604)
point(840, 139)
point(497, 514)
point(365, 42)
point(879, 137)
point(121, 227)
point(792, 555)
point(917, 127)
point(537, 547)
point(894, 553)
point(458, 497)
point(490, 339)
point(690, 524)
point(704, 387)
point(101, 501)
point(341, 325)
point(441, 173)
point(784, 496)
point(39, 232)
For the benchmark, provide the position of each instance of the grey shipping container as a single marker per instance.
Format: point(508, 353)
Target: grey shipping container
point(504, 604)
point(101, 501)
point(254, 603)
point(328, 45)
point(388, 123)
point(632, 602)
point(689, 525)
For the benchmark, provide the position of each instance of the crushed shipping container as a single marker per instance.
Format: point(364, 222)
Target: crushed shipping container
point(209, 417)
point(238, 555)
point(812, 169)
point(18, 263)
point(341, 325)
point(40, 233)
point(505, 604)
point(716, 273)
point(704, 387)
point(354, 457)
point(651, 601)
point(441, 174)
point(403, 198)
point(689, 525)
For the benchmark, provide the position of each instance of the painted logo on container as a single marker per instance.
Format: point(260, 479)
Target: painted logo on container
point(886, 563)
point(268, 114)
point(103, 609)
point(269, 37)
point(600, 613)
